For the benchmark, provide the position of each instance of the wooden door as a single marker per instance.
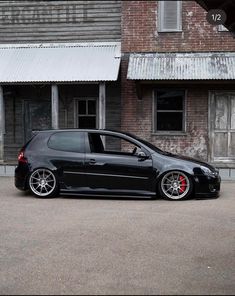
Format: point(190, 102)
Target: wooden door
point(222, 127)
point(37, 116)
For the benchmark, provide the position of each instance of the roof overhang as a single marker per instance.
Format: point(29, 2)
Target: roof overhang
point(181, 66)
point(228, 6)
point(65, 62)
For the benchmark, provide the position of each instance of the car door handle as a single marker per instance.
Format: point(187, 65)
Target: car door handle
point(92, 161)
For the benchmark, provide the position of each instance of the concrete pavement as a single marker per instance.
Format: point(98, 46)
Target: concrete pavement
point(74, 245)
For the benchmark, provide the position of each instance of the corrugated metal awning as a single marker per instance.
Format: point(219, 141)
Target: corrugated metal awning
point(182, 66)
point(59, 62)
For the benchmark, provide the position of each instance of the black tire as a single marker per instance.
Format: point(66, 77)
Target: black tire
point(175, 185)
point(43, 183)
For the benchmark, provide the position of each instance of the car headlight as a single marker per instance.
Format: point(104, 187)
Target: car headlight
point(208, 172)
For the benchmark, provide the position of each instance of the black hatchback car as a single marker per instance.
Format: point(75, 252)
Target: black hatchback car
point(102, 162)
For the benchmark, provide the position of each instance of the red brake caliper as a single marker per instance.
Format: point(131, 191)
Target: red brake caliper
point(182, 184)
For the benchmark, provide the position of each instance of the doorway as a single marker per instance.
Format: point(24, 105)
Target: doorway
point(222, 126)
point(37, 116)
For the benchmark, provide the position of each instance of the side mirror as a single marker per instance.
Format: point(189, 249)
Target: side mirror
point(142, 155)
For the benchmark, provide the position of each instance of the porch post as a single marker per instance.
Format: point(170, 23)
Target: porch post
point(54, 106)
point(102, 105)
point(2, 124)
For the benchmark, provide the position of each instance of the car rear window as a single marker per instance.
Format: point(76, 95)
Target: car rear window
point(67, 141)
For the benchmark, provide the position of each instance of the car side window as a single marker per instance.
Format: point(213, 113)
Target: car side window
point(67, 141)
point(107, 144)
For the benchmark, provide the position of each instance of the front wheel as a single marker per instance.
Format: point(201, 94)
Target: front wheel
point(175, 185)
point(43, 183)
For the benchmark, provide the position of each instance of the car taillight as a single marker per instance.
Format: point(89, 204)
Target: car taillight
point(21, 157)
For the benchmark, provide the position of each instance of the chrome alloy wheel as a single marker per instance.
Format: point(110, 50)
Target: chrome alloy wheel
point(42, 182)
point(175, 185)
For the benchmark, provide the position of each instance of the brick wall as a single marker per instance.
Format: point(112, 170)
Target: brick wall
point(139, 30)
point(137, 115)
point(139, 34)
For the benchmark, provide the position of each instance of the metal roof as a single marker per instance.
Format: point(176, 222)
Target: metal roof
point(182, 66)
point(59, 62)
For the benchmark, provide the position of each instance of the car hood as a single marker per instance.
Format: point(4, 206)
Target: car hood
point(190, 159)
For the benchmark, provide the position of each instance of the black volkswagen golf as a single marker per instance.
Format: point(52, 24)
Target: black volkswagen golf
point(102, 162)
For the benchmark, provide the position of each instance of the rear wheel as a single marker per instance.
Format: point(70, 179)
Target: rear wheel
point(43, 183)
point(175, 185)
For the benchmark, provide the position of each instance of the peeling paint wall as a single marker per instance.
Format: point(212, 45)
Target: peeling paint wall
point(137, 116)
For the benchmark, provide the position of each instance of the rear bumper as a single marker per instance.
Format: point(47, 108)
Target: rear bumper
point(207, 186)
point(21, 176)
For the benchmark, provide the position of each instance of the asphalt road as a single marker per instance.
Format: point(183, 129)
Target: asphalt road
point(116, 246)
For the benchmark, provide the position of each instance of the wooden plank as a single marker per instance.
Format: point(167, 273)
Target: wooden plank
point(232, 98)
point(101, 19)
point(102, 105)
point(65, 30)
point(221, 112)
point(60, 38)
point(2, 124)
point(54, 106)
point(220, 144)
point(30, 3)
point(232, 145)
point(113, 106)
point(49, 21)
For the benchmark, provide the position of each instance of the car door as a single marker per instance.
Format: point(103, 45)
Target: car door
point(67, 153)
point(109, 169)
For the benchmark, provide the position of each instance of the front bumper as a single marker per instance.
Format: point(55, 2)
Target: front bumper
point(207, 186)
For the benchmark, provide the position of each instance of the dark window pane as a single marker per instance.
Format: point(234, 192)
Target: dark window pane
point(111, 144)
point(169, 121)
point(81, 107)
point(91, 107)
point(170, 100)
point(87, 122)
point(67, 141)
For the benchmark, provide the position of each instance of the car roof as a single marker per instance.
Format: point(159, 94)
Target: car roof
point(84, 130)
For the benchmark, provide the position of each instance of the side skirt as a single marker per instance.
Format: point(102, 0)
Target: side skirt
point(102, 192)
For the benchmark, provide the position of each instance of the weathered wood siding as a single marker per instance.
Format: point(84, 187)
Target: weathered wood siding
point(17, 122)
point(15, 125)
point(59, 21)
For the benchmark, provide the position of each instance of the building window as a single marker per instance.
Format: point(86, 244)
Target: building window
point(169, 16)
point(169, 111)
point(86, 113)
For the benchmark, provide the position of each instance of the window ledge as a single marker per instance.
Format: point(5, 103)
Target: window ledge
point(171, 31)
point(169, 134)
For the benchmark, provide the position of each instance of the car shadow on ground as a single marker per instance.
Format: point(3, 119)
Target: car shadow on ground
point(28, 194)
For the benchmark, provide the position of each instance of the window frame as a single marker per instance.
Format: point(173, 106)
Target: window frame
point(154, 113)
point(76, 110)
point(116, 153)
point(160, 15)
